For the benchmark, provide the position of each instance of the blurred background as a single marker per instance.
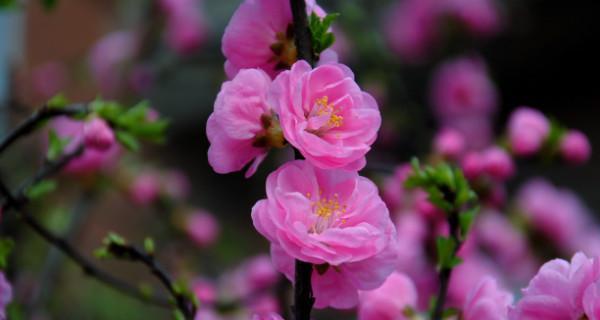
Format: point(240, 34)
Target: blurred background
point(538, 53)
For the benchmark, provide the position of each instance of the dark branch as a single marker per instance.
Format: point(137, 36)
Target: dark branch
point(302, 35)
point(31, 123)
point(445, 272)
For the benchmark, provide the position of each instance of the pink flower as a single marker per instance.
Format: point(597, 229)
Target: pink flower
point(591, 301)
point(325, 115)
point(390, 300)
point(487, 301)
point(202, 228)
point(260, 35)
point(205, 291)
point(332, 218)
point(186, 28)
point(6, 294)
point(527, 131)
point(92, 159)
point(497, 163)
point(412, 28)
point(449, 143)
point(557, 214)
point(481, 17)
point(464, 98)
point(260, 273)
point(468, 274)
point(557, 291)
point(242, 126)
point(575, 147)
point(98, 135)
point(473, 164)
point(393, 187)
point(108, 57)
point(207, 314)
point(269, 316)
point(145, 188)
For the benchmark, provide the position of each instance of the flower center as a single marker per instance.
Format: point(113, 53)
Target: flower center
point(324, 108)
point(284, 49)
point(328, 210)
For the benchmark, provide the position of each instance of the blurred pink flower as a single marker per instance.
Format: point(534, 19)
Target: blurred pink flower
point(328, 217)
point(49, 79)
point(557, 291)
point(207, 314)
point(527, 130)
point(202, 228)
point(449, 143)
point(575, 147)
point(176, 184)
point(412, 28)
point(98, 135)
point(558, 214)
point(467, 275)
point(269, 316)
point(145, 188)
point(473, 164)
point(186, 29)
point(480, 17)
point(591, 301)
point(393, 192)
point(390, 300)
point(260, 35)
point(205, 291)
point(264, 304)
point(487, 301)
point(237, 128)
point(108, 57)
point(260, 273)
point(497, 163)
point(92, 159)
point(325, 115)
point(6, 294)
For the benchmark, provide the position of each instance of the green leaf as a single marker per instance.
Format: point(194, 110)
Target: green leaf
point(466, 220)
point(102, 253)
point(49, 4)
point(41, 188)
point(450, 312)
point(445, 252)
point(322, 38)
point(127, 140)
point(56, 145)
point(149, 245)
point(109, 111)
point(59, 101)
point(178, 315)
point(6, 248)
point(114, 238)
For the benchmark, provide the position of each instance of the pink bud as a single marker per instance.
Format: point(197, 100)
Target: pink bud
point(261, 273)
point(98, 135)
point(497, 163)
point(472, 165)
point(449, 143)
point(145, 188)
point(527, 130)
point(575, 147)
point(202, 228)
point(205, 291)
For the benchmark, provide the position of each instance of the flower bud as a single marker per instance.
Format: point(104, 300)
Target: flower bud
point(575, 147)
point(498, 164)
point(527, 130)
point(98, 135)
point(202, 228)
point(449, 143)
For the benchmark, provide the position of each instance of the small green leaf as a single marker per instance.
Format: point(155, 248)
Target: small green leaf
point(466, 220)
point(114, 239)
point(6, 248)
point(128, 140)
point(59, 101)
point(102, 253)
point(41, 188)
point(445, 252)
point(178, 315)
point(109, 111)
point(149, 245)
point(56, 145)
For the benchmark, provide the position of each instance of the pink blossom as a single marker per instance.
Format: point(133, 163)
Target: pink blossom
point(558, 214)
point(108, 57)
point(557, 291)
point(575, 147)
point(98, 135)
point(264, 304)
point(468, 274)
point(242, 126)
point(481, 17)
point(461, 87)
point(202, 228)
point(260, 273)
point(207, 314)
point(393, 187)
point(449, 143)
point(497, 163)
point(92, 159)
point(6, 294)
point(205, 291)
point(260, 35)
point(487, 301)
point(269, 316)
point(185, 26)
point(145, 188)
point(325, 115)
point(591, 301)
point(527, 130)
point(473, 164)
point(333, 218)
point(390, 300)
point(49, 78)
point(412, 28)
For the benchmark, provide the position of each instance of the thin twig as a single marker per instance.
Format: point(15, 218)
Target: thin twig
point(302, 36)
point(132, 253)
point(43, 114)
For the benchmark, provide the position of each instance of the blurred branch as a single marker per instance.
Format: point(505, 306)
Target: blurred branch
point(130, 252)
point(43, 114)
